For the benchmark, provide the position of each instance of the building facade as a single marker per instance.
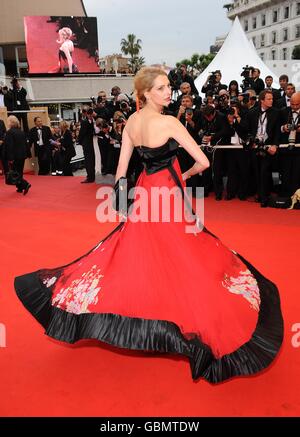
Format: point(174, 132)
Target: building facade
point(273, 25)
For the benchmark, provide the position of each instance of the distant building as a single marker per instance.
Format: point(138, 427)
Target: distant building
point(217, 45)
point(114, 62)
point(273, 25)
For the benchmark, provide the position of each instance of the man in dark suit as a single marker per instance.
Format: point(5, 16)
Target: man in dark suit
point(86, 139)
point(40, 137)
point(269, 83)
point(289, 158)
point(257, 84)
point(215, 130)
point(284, 101)
point(2, 136)
point(216, 86)
point(20, 102)
point(283, 81)
point(264, 126)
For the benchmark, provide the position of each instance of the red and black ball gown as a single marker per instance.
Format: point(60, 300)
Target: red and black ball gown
point(151, 286)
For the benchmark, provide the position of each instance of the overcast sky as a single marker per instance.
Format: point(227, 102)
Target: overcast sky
point(170, 30)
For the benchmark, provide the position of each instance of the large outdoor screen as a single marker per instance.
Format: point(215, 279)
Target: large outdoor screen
point(61, 45)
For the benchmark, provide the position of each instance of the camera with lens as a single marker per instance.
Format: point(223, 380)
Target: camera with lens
point(246, 98)
point(212, 79)
point(248, 142)
point(247, 79)
point(204, 144)
point(292, 129)
point(231, 110)
point(261, 148)
point(123, 105)
point(189, 111)
point(120, 120)
point(93, 100)
point(175, 78)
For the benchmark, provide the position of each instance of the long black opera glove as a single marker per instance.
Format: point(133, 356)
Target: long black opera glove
point(121, 201)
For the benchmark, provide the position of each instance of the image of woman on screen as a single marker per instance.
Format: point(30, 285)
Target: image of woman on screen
point(66, 50)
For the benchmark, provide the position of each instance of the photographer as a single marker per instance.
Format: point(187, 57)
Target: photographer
point(86, 139)
point(289, 158)
point(263, 124)
point(101, 109)
point(257, 84)
point(124, 106)
point(191, 119)
point(180, 75)
point(237, 159)
point(248, 100)
point(186, 90)
point(222, 101)
point(215, 130)
point(19, 102)
point(114, 104)
point(6, 98)
point(213, 83)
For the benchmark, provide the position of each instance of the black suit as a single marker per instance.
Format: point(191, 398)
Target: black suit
point(215, 89)
point(67, 152)
point(282, 102)
point(42, 152)
point(289, 160)
point(238, 164)
point(264, 165)
point(220, 131)
point(2, 136)
point(257, 85)
point(86, 139)
point(20, 103)
point(15, 150)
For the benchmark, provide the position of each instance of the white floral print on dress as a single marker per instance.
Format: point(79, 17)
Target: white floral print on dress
point(244, 284)
point(81, 293)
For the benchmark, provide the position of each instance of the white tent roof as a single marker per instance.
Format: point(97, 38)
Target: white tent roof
point(236, 52)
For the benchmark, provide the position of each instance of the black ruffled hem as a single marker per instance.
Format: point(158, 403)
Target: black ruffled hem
point(159, 335)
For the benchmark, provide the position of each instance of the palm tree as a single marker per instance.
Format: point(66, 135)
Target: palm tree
point(136, 63)
point(131, 46)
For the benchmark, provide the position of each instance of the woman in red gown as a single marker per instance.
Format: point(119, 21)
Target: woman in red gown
point(152, 286)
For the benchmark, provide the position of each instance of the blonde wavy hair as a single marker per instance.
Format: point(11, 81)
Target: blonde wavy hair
point(12, 121)
point(144, 80)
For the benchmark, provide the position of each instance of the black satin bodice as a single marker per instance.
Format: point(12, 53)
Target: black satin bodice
point(155, 159)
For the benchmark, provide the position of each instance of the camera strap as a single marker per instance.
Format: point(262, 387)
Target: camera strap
point(295, 120)
point(262, 125)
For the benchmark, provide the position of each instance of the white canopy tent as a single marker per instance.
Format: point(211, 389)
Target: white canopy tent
point(236, 52)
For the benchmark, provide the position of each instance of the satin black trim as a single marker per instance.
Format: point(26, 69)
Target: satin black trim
point(159, 335)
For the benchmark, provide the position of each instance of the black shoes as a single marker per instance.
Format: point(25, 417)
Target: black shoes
point(25, 191)
point(264, 204)
point(229, 197)
point(87, 181)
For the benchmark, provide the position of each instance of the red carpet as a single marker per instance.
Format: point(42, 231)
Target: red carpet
point(54, 224)
point(42, 48)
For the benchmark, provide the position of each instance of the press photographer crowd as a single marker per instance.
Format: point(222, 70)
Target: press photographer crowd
point(248, 132)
